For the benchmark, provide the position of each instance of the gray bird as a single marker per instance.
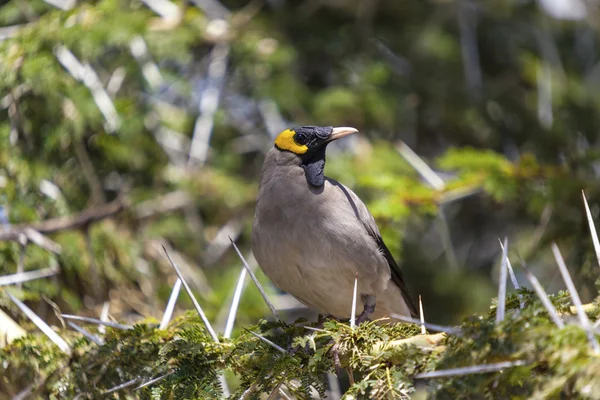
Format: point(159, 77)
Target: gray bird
point(312, 235)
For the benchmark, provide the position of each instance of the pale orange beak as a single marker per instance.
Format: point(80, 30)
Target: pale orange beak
point(340, 132)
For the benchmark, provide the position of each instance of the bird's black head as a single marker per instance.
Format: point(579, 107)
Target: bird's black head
point(309, 143)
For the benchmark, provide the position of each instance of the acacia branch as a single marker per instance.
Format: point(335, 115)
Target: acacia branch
point(80, 220)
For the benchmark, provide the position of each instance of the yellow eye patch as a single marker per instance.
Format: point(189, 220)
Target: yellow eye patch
point(285, 141)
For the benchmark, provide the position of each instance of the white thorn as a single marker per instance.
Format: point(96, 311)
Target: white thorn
point(256, 282)
point(85, 333)
point(168, 314)
point(267, 341)
point(422, 315)
point(235, 303)
point(97, 321)
point(592, 227)
point(104, 316)
point(583, 318)
point(475, 369)
point(193, 298)
point(502, 285)
point(434, 327)
point(43, 326)
point(420, 166)
point(122, 386)
point(354, 295)
point(541, 293)
point(151, 381)
point(27, 276)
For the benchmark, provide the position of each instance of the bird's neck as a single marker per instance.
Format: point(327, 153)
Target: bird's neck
point(314, 167)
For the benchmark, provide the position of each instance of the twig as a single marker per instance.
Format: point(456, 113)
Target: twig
point(256, 282)
point(593, 232)
point(235, 301)
point(97, 322)
point(502, 285)
point(28, 276)
point(170, 305)
point(43, 326)
point(475, 369)
point(193, 298)
point(86, 217)
point(583, 318)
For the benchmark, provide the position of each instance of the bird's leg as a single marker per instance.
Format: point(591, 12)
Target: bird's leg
point(369, 302)
point(320, 318)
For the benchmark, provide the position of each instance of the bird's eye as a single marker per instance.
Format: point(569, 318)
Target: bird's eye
point(300, 138)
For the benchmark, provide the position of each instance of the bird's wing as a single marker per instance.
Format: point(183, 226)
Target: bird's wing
point(363, 214)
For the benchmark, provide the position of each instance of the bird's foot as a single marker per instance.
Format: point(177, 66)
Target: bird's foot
point(364, 316)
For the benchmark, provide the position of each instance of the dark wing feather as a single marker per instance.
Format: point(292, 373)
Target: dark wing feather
point(363, 214)
point(396, 274)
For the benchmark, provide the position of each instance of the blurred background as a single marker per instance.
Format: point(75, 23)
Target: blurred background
point(129, 125)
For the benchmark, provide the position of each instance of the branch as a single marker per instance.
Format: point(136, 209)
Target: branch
point(86, 217)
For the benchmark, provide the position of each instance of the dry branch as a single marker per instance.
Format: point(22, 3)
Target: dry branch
point(53, 225)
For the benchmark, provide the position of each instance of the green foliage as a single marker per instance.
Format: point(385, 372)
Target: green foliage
point(382, 358)
point(501, 99)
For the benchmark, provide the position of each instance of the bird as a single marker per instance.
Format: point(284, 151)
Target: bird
point(314, 238)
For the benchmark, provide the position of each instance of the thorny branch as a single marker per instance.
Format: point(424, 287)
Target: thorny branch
point(80, 220)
